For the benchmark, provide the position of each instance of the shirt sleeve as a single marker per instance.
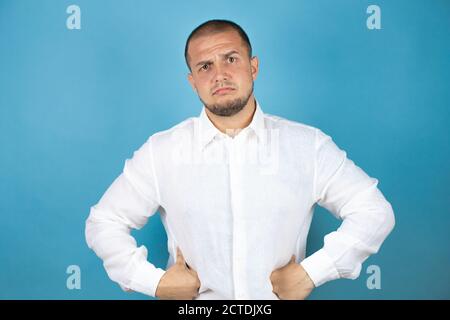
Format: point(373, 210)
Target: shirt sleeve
point(128, 203)
point(350, 194)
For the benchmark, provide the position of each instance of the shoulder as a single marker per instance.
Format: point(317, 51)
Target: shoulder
point(176, 133)
point(291, 128)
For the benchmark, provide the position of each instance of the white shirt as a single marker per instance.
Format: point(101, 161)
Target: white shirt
point(239, 208)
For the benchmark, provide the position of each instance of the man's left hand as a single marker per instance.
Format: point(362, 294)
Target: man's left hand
point(291, 282)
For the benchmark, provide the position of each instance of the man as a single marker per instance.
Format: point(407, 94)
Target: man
point(236, 190)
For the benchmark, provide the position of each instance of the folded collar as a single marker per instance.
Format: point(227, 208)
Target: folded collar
point(208, 131)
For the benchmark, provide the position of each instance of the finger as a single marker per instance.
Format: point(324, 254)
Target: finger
point(180, 258)
point(276, 293)
point(193, 272)
point(274, 275)
point(194, 275)
point(292, 259)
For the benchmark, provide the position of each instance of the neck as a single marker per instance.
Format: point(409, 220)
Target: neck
point(233, 124)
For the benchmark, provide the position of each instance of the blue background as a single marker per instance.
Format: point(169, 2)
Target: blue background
point(74, 104)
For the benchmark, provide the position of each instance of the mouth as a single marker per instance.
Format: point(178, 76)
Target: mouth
point(222, 91)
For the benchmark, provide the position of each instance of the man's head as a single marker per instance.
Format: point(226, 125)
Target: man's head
point(219, 56)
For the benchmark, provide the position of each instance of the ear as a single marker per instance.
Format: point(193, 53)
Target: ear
point(254, 67)
point(192, 81)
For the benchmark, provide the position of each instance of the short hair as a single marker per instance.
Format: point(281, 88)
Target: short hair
point(217, 26)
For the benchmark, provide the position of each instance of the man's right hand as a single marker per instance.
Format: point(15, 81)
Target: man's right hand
point(179, 282)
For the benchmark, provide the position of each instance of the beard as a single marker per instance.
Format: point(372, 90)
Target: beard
point(230, 107)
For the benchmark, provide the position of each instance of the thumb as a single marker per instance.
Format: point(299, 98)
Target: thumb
point(193, 272)
point(292, 259)
point(180, 258)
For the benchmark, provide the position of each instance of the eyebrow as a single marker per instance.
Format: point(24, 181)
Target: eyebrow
point(226, 55)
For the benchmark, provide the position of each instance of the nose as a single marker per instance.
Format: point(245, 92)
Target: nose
point(221, 74)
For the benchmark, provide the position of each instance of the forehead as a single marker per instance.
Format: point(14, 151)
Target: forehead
point(215, 43)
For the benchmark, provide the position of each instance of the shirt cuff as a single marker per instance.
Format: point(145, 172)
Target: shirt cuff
point(320, 268)
point(146, 279)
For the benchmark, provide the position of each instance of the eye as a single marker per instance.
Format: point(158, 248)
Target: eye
point(204, 67)
point(231, 59)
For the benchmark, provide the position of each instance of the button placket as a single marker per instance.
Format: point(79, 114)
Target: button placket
point(239, 242)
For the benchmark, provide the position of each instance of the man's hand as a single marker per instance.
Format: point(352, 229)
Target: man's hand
point(291, 282)
point(179, 282)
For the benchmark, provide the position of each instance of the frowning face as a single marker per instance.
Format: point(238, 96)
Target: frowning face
point(222, 73)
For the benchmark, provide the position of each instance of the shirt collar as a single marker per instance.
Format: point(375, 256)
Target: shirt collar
point(208, 131)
